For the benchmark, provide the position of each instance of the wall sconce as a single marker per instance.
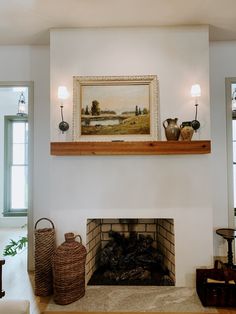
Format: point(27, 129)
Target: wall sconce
point(21, 105)
point(196, 92)
point(63, 94)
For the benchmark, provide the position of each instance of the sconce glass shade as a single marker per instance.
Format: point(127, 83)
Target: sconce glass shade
point(62, 92)
point(196, 90)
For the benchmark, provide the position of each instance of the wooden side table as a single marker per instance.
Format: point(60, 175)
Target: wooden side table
point(229, 235)
point(2, 293)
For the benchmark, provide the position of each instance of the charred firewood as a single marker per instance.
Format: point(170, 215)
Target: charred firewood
point(133, 259)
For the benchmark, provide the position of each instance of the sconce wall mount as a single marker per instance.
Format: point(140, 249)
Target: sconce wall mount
point(63, 125)
point(62, 95)
point(196, 92)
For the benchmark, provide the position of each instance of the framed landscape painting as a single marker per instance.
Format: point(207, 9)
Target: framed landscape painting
point(115, 108)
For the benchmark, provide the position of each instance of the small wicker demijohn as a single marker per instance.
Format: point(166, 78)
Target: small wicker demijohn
point(69, 270)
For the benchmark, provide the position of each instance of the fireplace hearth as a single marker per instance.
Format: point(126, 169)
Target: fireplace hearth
point(130, 252)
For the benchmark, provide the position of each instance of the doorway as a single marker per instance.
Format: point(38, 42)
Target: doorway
point(16, 124)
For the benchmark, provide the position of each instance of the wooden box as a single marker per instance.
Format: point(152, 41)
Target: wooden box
point(216, 287)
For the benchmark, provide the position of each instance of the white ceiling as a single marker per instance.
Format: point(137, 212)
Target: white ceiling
point(29, 21)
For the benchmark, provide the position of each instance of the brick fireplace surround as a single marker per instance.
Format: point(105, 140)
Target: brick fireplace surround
point(161, 230)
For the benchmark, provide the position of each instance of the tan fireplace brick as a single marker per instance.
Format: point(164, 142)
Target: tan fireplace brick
point(173, 268)
point(92, 225)
point(97, 239)
point(172, 258)
point(105, 236)
point(146, 221)
point(172, 249)
point(92, 262)
point(89, 256)
point(168, 264)
point(106, 227)
point(162, 232)
point(167, 225)
point(139, 228)
point(170, 237)
point(92, 244)
point(120, 227)
point(89, 237)
point(161, 238)
point(167, 244)
point(95, 250)
point(151, 227)
point(96, 231)
point(110, 221)
point(88, 275)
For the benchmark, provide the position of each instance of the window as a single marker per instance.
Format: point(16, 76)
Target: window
point(16, 166)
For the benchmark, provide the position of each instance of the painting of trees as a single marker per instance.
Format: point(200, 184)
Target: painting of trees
point(95, 110)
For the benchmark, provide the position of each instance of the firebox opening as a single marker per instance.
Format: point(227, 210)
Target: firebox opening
point(130, 252)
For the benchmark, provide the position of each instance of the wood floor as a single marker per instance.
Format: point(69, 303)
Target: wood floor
point(220, 311)
point(18, 283)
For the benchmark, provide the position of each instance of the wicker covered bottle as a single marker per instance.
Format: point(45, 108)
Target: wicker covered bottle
point(69, 270)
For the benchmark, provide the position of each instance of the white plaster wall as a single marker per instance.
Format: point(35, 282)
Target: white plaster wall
point(222, 65)
point(145, 186)
point(25, 63)
point(179, 56)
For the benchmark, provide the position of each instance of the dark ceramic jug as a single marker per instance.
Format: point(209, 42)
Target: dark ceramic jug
point(172, 130)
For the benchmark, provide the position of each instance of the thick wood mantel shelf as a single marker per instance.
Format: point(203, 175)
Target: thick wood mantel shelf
point(130, 148)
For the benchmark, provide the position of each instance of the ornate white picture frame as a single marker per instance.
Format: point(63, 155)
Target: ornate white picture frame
point(115, 108)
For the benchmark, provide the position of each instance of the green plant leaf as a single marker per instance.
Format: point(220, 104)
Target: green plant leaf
point(15, 247)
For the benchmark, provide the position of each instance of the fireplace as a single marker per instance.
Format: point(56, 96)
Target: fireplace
point(150, 235)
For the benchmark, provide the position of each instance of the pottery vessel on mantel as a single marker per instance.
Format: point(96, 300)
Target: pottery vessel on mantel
point(172, 130)
point(186, 131)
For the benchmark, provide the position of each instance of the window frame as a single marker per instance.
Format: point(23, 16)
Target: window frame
point(8, 148)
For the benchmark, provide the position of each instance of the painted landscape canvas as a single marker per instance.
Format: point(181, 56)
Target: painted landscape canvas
point(112, 108)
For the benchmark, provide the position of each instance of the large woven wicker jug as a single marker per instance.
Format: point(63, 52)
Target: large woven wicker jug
point(69, 270)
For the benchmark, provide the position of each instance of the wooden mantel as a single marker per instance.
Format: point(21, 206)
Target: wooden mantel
point(130, 148)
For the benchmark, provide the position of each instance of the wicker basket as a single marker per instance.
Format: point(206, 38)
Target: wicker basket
point(69, 270)
point(44, 249)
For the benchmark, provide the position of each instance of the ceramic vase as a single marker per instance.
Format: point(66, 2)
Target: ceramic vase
point(172, 130)
point(186, 131)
